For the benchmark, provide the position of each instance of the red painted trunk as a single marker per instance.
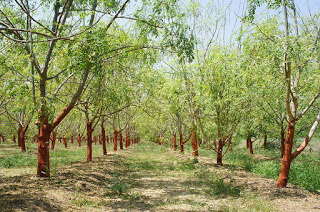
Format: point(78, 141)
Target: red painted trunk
point(65, 141)
point(115, 140)
point(127, 140)
point(194, 144)
point(89, 140)
point(174, 142)
point(121, 141)
point(43, 147)
point(53, 140)
point(219, 152)
point(249, 141)
point(103, 140)
point(265, 141)
point(181, 142)
point(79, 140)
point(287, 157)
point(22, 136)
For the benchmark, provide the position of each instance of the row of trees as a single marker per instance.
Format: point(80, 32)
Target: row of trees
point(161, 69)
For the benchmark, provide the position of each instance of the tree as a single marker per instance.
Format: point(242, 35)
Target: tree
point(299, 56)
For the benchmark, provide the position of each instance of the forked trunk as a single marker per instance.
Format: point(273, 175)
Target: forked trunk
point(103, 140)
point(219, 152)
point(287, 157)
point(89, 140)
point(194, 144)
point(43, 147)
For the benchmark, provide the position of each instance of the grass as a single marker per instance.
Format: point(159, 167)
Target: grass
point(305, 169)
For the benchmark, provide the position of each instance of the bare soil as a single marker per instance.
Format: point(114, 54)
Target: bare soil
point(132, 181)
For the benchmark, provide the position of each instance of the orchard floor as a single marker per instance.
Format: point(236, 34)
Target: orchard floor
point(148, 177)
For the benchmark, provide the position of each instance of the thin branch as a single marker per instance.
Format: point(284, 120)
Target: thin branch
point(308, 106)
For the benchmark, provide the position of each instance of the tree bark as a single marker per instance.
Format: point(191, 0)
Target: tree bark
point(121, 141)
point(249, 142)
point(79, 140)
point(194, 144)
point(43, 147)
point(115, 140)
point(53, 140)
point(174, 142)
point(219, 152)
point(65, 141)
point(265, 141)
point(89, 140)
point(287, 157)
point(103, 139)
point(22, 136)
point(14, 139)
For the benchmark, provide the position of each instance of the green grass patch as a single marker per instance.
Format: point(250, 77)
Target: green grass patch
point(221, 188)
point(18, 161)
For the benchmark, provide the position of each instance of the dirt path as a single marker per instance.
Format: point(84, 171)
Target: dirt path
point(147, 177)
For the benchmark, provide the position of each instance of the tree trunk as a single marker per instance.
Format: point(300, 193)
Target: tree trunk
point(53, 140)
point(22, 137)
point(71, 139)
point(194, 144)
point(181, 141)
point(79, 140)
point(219, 152)
point(89, 140)
point(287, 157)
point(265, 141)
point(103, 139)
point(65, 141)
point(14, 139)
point(282, 141)
point(115, 140)
point(121, 141)
point(174, 142)
point(249, 141)
point(43, 147)
point(127, 143)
